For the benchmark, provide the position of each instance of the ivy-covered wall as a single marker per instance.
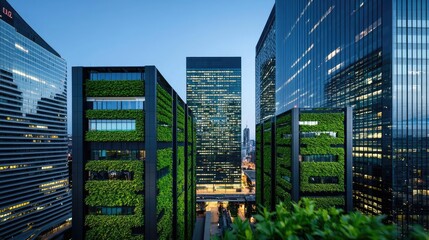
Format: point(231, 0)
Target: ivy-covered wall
point(180, 193)
point(164, 199)
point(164, 115)
point(259, 167)
point(267, 163)
point(116, 136)
point(120, 88)
point(283, 185)
point(180, 114)
point(115, 193)
point(324, 144)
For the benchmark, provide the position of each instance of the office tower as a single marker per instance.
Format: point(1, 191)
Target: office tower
point(305, 153)
point(133, 156)
point(371, 55)
point(34, 190)
point(265, 69)
point(246, 139)
point(213, 91)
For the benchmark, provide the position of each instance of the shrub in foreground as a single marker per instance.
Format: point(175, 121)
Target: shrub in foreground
point(304, 221)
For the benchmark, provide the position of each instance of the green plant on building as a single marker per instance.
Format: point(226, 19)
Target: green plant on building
point(283, 160)
point(329, 141)
point(164, 115)
point(115, 193)
point(120, 88)
point(180, 112)
point(116, 136)
point(164, 199)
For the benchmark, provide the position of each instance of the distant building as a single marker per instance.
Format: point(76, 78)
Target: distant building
point(265, 70)
point(34, 189)
point(133, 156)
point(305, 153)
point(214, 95)
point(246, 140)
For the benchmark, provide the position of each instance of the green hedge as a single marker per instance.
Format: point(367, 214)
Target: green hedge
point(116, 136)
point(114, 193)
point(327, 202)
point(122, 88)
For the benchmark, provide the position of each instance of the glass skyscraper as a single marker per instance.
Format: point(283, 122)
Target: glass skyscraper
point(34, 189)
point(214, 95)
point(265, 69)
point(373, 56)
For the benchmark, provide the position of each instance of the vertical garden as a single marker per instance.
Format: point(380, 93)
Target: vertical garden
point(114, 187)
point(323, 158)
point(164, 164)
point(283, 174)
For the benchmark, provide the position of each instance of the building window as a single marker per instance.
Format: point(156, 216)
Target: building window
point(112, 124)
point(116, 105)
point(317, 134)
point(118, 154)
point(323, 180)
point(116, 76)
point(111, 210)
point(319, 158)
point(111, 175)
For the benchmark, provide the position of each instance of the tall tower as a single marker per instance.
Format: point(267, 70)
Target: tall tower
point(34, 190)
point(373, 56)
point(214, 95)
point(246, 139)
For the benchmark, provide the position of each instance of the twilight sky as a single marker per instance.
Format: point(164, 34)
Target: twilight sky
point(152, 32)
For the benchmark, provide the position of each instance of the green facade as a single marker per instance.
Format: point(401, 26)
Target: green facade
point(317, 150)
point(114, 208)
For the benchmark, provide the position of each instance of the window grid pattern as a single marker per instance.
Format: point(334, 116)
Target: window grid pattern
point(112, 124)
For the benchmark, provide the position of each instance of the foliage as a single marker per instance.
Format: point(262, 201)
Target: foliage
point(164, 158)
point(114, 227)
point(164, 115)
point(116, 136)
point(164, 199)
point(258, 162)
point(321, 169)
point(121, 88)
point(304, 221)
point(327, 202)
point(115, 193)
point(319, 145)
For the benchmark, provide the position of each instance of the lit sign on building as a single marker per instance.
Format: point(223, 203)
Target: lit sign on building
point(7, 12)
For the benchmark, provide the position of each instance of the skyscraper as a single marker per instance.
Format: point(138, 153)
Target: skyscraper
point(246, 139)
point(34, 191)
point(214, 94)
point(372, 55)
point(133, 156)
point(265, 69)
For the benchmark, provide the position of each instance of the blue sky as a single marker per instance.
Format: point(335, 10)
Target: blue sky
point(152, 32)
